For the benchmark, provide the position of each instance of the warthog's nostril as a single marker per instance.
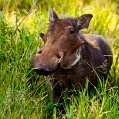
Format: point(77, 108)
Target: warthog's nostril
point(42, 71)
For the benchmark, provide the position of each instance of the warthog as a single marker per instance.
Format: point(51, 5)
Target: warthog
point(68, 57)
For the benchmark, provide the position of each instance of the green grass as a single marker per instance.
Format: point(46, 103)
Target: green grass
point(24, 94)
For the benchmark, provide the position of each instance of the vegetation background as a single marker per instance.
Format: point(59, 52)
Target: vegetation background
point(24, 94)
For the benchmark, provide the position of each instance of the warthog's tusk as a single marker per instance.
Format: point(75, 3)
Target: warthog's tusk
point(59, 61)
point(31, 55)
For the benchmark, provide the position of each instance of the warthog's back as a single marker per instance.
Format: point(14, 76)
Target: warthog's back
point(102, 44)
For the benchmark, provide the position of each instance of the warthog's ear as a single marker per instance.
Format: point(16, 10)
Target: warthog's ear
point(83, 21)
point(52, 16)
point(42, 36)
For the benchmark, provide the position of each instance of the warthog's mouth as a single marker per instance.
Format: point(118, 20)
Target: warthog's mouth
point(40, 71)
point(45, 71)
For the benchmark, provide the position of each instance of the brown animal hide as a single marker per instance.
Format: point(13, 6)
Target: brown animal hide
point(68, 57)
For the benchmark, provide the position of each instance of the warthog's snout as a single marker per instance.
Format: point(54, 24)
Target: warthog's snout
point(44, 63)
point(42, 71)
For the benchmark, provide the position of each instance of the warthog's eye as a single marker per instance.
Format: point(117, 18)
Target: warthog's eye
point(71, 31)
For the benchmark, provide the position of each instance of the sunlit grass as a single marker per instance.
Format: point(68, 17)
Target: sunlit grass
point(24, 94)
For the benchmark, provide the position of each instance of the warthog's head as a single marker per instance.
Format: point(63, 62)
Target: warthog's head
point(62, 44)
